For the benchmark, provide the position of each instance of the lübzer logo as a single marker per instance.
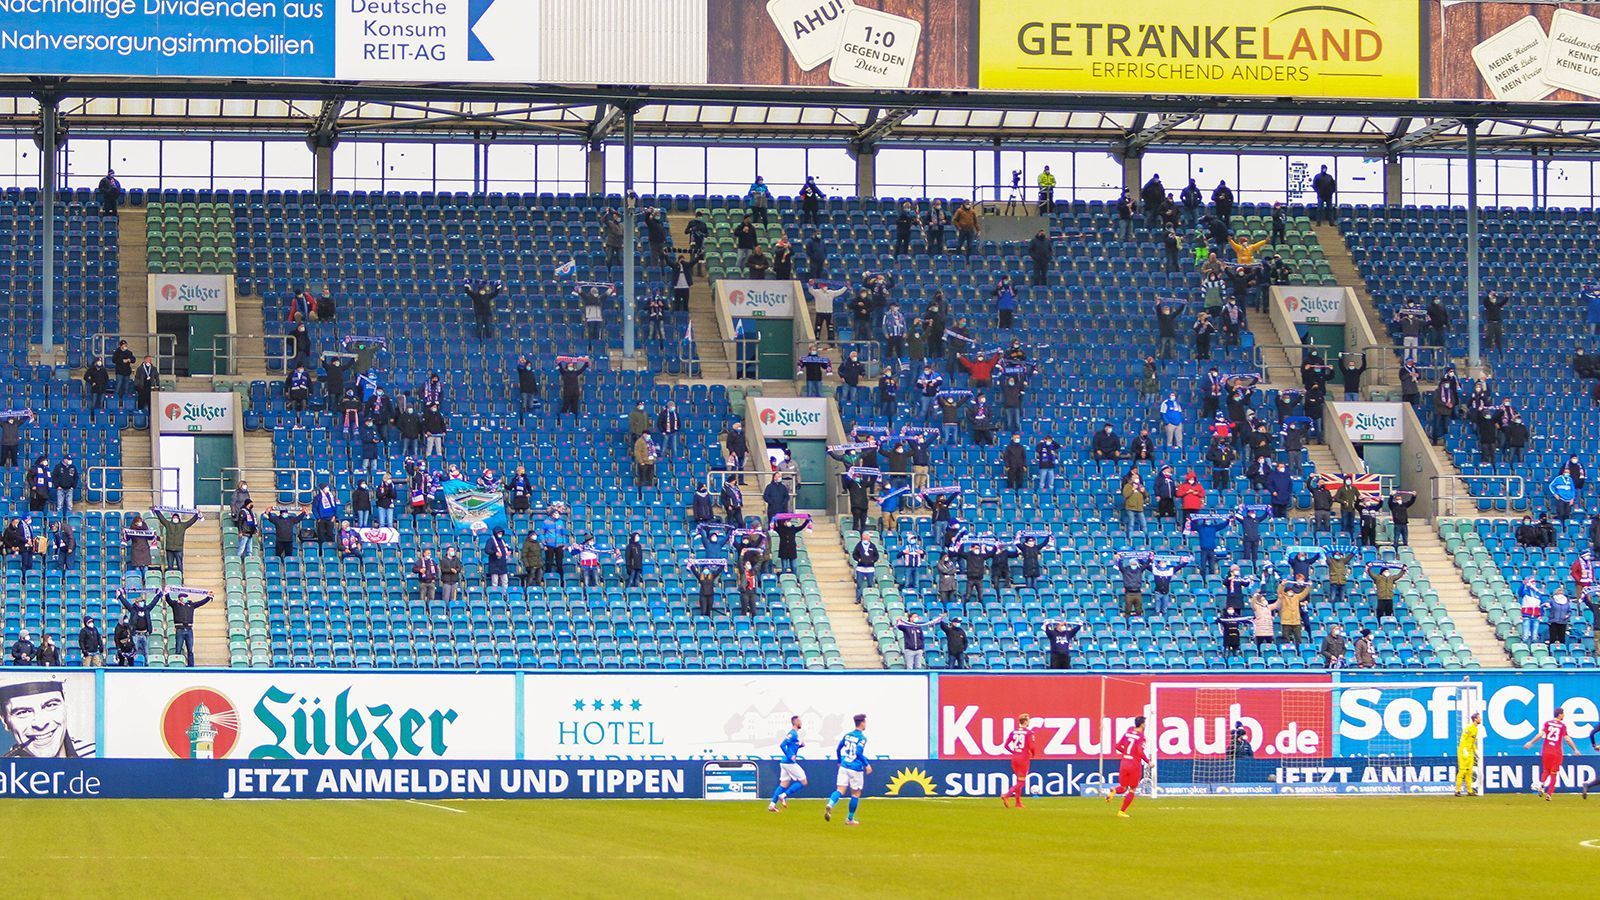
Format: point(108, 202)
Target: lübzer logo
point(200, 723)
point(789, 417)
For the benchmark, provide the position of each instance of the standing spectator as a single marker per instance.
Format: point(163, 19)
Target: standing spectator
point(146, 379)
point(1438, 321)
point(904, 223)
point(91, 645)
point(1151, 197)
point(913, 640)
point(955, 643)
point(757, 264)
point(139, 537)
point(1400, 503)
point(1222, 202)
point(138, 616)
point(1557, 615)
point(744, 241)
point(122, 639)
point(1385, 578)
point(450, 567)
point(482, 293)
point(324, 510)
point(1172, 244)
point(1324, 185)
point(1333, 647)
point(426, 570)
point(109, 190)
point(122, 361)
point(1494, 307)
point(244, 519)
point(645, 456)
point(64, 541)
point(182, 603)
point(1014, 461)
point(865, 556)
point(749, 588)
point(934, 223)
point(65, 480)
point(285, 524)
point(811, 198)
point(968, 228)
point(759, 198)
point(816, 259)
point(497, 551)
point(571, 371)
point(532, 557)
point(41, 485)
point(611, 240)
point(1062, 636)
point(776, 496)
point(1192, 200)
point(553, 536)
point(632, 560)
point(1040, 252)
point(1366, 655)
point(1531, 599)
point(96, 384)
point(173, 529)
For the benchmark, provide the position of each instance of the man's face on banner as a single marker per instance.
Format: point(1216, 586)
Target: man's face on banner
point(37, 723)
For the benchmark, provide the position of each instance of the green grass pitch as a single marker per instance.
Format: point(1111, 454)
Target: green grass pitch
point(1408, 847)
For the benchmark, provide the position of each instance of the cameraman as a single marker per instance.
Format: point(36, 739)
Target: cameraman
point(1047, 192)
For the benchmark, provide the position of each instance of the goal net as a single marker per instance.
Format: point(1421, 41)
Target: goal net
point(1309, 738)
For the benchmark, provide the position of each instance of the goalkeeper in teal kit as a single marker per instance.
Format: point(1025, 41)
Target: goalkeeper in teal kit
point(853, 771)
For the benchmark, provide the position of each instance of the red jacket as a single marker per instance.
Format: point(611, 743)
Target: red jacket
point(1192, 494)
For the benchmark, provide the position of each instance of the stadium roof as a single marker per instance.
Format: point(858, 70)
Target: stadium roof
point(198, 108)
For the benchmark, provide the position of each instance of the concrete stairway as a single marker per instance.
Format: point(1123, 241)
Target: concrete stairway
point(1457, 598)
point(133, 273)
point(202, 568)
point(251, 352)
point(1343, 265)
point(255, 458)
point(137, 487)
point(1278, 371)
point(836, 580)
point(702, 312)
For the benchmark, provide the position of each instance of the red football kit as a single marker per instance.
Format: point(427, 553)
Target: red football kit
point(1020, 745)
point(1131, 772)
point(1554, 732)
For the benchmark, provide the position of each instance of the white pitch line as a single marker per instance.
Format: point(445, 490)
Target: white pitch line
point(1592, 844)
point(437, 806)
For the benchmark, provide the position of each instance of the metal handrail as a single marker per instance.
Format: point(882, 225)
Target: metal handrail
point(95, 489)
point(743, 355)
point(225, 351)
point(1516, 488)
point(303, 481)
point(104, 343)
point(1291, 352)
point(1431, 361)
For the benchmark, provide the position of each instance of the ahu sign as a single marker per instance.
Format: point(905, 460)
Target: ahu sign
point(1312, 305)
point(800, 417)
point(760, 299)
point(1371, 422)
point(195, 413)
point(190, 293)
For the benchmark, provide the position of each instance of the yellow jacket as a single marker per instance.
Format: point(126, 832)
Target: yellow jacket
point(1289, 602)
point(1246, 253)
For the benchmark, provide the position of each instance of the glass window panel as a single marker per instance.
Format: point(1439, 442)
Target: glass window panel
point(236, 165)
point(511, 167)
point(138, 162)
point(1096, 176)
point(900, 173)
point(729, 170)
point(833, 169)
point(681, 170)
point(288, 165)
point(784, 168)
point(86, 161)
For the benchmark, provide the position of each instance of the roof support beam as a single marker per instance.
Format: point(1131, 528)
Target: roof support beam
point(1421, 136)
point(325, 128)
point(606, 117)
point(1136, 141)
point(879, 127)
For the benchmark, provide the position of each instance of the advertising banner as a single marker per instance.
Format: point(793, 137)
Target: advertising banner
point(796, 417)
point(1379, 423)
point(47, 715)
point(195, 413)
point(309, 715)
point(759, 299)
point(1307, 304)
point(1081, 717)
point(1354, 48)
point(717, 716)
point(190, 293)
point(1515, 705)
point(1513, 51)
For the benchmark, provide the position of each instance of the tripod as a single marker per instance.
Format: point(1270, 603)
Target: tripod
point(1013, 199)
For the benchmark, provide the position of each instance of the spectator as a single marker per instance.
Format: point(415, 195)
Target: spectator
point(324, 511)
point(1190, 495)
point(955, 643)
point(1105, 446)
point(122, 361)
point(96, 384)
point(122, 639)
point(49, 653)
point(138, 615)
point(531, 556)
point(146, 380)
point(1333, 647)
point(1040, 253)
point(811, 198)
point(1324, 185)
point(865, 556)
point(1062, 635)
point(632, 560)
point(244, 519)
point(285, 524)
point(1134, 500)
point(913, 638)
point(813, 366)
point(91, 645)
point(173, 529)
point(934, 224)
point(64, 479)
point(1557, 615)
point(182, 602)
point(553, 536)
point(776, 496)
point(904, 224)
point(1438, 321)
point(482, 293)
point(1222, 202)
point(1351, 365)
point(968, 228)
point(109, 190)
point(1531, 599)
point(497, 552)
point(611, 240)
point(1494, 307)
point(759, 198)
point(139, 536)
point(450, 567)
point(41, 485)
point(1400, 503)
point(1014, 460)
point(757, 264)
point(817, 262)
point(23, 652)
point(744, 241)
point(1385, 578)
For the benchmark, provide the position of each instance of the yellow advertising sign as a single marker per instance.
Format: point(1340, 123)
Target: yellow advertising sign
point(1279, 48)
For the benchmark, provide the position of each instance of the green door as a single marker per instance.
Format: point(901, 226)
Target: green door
point(203, 356)
point(212, 454)
point(776, 347)
point(1382, 459)
point(811, 458)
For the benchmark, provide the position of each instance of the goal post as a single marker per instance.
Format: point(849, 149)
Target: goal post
point(1309, 738)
